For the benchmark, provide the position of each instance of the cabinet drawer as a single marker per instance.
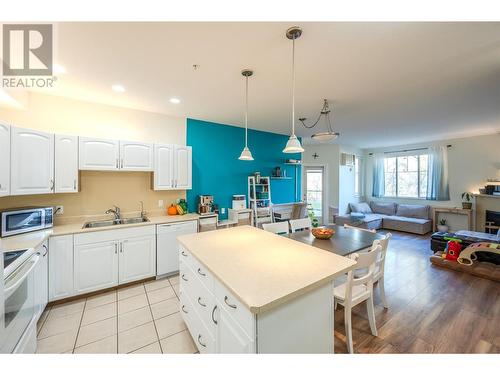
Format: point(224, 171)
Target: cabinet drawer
point(235, 309)
point(198, 269)
point(204, 339)
point(185, 257)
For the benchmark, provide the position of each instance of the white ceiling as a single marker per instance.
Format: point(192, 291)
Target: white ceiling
point(390, 83)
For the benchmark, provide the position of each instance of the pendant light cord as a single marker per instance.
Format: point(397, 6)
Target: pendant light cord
point(293, 85)
point(246, 111)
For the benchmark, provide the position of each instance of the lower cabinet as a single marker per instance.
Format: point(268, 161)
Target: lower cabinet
point(230, 337)
point(41, 294)
point(137, 259)
point(61, 283)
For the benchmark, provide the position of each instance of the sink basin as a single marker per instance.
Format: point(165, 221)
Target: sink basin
point(108, 223)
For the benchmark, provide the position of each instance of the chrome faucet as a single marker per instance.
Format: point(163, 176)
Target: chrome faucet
point(143, 213)
point(115, 211)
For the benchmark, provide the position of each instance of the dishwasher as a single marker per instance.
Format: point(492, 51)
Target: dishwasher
point(167, 247)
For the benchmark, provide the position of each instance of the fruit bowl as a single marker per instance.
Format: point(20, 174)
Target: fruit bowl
point(322, 233)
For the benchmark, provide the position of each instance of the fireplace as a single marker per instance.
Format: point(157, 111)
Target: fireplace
point(491, 221)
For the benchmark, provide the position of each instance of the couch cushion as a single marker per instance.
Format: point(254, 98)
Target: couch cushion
point(418, 211)
point(414, 220)
point(384, 208)
point(361, 207)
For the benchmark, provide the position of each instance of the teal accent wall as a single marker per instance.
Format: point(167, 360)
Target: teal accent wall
point(218, 172)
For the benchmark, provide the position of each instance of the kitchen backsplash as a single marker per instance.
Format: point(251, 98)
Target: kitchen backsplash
point(100, 191)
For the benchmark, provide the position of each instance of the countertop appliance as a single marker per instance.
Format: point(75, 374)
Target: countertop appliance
point(239, 202)
point(205, 204)
point(25, 219)
point(167, 247)
point(18, 303)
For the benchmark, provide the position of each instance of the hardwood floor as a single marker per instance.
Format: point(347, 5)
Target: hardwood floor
point(431, 309)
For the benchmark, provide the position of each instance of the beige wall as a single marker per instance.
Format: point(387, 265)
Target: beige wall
point(98, 190)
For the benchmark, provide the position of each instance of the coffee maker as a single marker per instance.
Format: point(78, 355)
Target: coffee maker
point(205, 204)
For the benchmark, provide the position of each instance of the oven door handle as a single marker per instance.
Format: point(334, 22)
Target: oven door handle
point(9, 289)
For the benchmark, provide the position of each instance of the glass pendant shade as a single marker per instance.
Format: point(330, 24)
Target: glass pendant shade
point(246, 154)
point(293, 145)
point(325, 136)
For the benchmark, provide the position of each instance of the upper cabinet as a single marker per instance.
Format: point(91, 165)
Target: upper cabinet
point(4, 159)
point(99, 154)
point(172, 167)
point(136, 156)
point(32, 162)
point(66, 163)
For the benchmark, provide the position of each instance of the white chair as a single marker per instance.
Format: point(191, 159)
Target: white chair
point(358, 289)
point(281, 227)
point(300, 224)
point(347, 226)
point(378, 276)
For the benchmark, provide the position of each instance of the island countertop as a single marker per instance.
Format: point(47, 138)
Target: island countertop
point(262, 269)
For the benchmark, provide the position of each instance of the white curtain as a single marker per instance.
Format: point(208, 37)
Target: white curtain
point(437, 174)
point(378, 176)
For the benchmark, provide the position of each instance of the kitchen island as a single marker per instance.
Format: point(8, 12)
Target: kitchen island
point(244, 290)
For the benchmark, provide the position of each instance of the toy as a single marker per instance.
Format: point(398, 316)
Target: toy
point(453, 248)
point(468, 256)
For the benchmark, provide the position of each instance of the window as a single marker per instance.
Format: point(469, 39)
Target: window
point(357, 176)
point(314, 190)
point(406, 176)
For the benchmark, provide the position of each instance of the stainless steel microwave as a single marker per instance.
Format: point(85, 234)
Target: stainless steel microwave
point(25, 219)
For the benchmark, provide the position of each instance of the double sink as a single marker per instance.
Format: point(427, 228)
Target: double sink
point(109, 223)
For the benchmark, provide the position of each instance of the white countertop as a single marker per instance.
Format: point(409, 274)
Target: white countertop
point(263, 269)
point(33, 239)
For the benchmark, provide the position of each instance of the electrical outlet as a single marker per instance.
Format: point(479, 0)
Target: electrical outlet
point(59, 210)
point(223, 210)
point(160, 203)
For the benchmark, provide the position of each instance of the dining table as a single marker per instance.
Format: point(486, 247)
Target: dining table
point(344, 241)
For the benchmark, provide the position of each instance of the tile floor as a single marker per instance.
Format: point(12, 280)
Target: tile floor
point(143, 318)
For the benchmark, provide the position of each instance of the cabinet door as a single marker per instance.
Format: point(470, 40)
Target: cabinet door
point(96, 266)
point(137, 259)
point(136, 156)
point(61, 267)
point(164, 167)
point(230, 336)
point(42, 280)
point(32, 162)
point(183, 162)
point(66, 163)
point(4, 159)
point(99, 154)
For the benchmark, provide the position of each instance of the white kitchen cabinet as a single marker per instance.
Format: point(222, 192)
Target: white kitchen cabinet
point(167, 247)
point(4, 159)
point(136, 156)
point(96, 266)
point(41, 294)
point(137, 259)
point(164, 167)
point(32, 162)
point(61, 283)
point(99, 154)
point(183, 165)
point(66, 163)
point(230, 336)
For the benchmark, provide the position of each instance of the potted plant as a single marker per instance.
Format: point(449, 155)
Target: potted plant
point(442, 227)
point(314, 219)
point(467, 197)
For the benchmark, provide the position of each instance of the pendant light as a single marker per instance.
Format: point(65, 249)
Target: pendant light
point(293, 145)
point(327, 136)
point(246, 154)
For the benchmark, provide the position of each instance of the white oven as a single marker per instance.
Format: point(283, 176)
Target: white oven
point(19, 306)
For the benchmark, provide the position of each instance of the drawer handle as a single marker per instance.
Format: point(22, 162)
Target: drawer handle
point(183, 254)
point(201, 303)
point(227, 303)
point(184, 278)
point(201, 273)
point(202, 344)
point(213, 312)
point(183, 309)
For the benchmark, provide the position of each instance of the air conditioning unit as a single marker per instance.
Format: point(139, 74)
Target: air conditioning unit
point(347, 159)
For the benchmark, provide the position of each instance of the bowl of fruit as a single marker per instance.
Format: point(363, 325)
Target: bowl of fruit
point(322, 233)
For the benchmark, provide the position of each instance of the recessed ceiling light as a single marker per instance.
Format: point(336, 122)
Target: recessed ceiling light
point(175, 100)
point(118, 88)
point(59, 69)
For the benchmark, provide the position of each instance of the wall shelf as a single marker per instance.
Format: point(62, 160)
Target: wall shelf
point(280, 178)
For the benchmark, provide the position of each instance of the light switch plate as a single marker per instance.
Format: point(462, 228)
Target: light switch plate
point(160, 203)
point(223, 210)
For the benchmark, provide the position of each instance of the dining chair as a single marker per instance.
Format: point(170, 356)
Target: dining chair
point(299, 211)
point(358, 289)
point(378, 276)
point(347, 226)
point(280, 227)
point(300, 224)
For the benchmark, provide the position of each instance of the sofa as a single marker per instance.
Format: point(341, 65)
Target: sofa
point(412, 218)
